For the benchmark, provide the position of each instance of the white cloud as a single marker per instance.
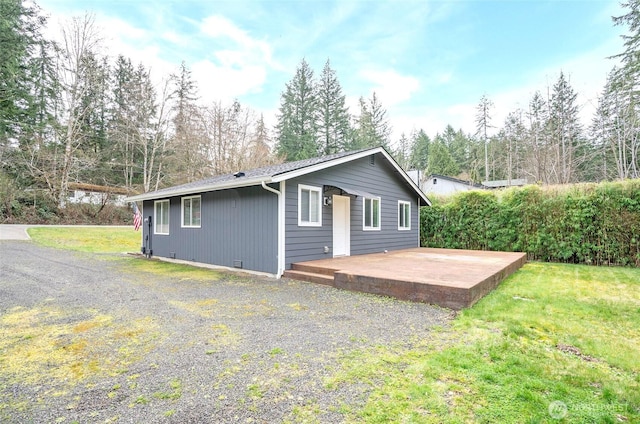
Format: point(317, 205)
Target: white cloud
point(247, 49)
point(174, 38)
point(586, 72)
point(226, 82)
point(240, 68)
point(391, 87)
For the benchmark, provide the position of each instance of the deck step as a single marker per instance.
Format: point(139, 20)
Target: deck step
point(311, 277)
point(313, 269)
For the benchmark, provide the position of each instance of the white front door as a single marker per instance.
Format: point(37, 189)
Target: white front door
point(341, 226)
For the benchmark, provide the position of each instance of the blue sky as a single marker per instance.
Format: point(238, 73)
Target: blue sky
point(428, 61)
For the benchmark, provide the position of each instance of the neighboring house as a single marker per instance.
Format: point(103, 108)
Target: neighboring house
point(96, 194)
point(265, 219)
point(443, 185)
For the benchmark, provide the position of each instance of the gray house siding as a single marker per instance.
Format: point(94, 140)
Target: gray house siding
point(236, 225)
point(378, 179)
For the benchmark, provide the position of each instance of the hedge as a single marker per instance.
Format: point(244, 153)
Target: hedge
point(596, 224)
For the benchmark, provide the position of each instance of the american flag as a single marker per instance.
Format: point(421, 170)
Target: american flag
point(137, 217)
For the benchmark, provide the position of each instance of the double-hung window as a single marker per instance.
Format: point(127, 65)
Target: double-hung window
point(309, 206)
point(404, 215)
point(371, 213)
point(191, 212)
point(161, 217)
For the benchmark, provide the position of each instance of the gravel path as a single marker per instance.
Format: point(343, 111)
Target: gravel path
point(86, 338)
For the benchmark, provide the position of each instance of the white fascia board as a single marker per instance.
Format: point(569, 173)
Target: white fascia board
point(199, 189)
point(325, 165)
point(406, 177)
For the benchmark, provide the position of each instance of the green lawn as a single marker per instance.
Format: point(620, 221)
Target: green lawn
point(88, 239)
point(115, 240)
point(550, 337)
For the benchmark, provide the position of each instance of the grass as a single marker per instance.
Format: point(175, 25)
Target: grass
point(567, 334)
point(116, 240)
point(47, 343)
point(175, 271)
point(88, 239)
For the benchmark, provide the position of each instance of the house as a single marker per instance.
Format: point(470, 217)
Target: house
point(444, 186)
point(96, 194)
point(265, 219)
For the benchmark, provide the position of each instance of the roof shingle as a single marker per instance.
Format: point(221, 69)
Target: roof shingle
point(265, 171)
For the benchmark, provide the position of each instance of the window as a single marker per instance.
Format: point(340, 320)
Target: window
point(404, 215)
point(191, 212)
point(309, 206)
point(371, 211)
point(161, 219)
point(435, 181)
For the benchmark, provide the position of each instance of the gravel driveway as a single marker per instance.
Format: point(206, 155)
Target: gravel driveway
point(93, 338)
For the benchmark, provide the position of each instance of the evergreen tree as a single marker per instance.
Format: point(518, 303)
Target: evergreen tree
point(297, 118)
point(483, 123)
point(121, 127)
point(28, 86)
point(184, 93)
point(565, 130)
point(459, 145)
point(372, 126)
point(440, 160)
point(511, 137)
point(333, 116)
point(16, 37)
point(402, 154)
point(186, 144)
point(631, 56)
point(420, 150)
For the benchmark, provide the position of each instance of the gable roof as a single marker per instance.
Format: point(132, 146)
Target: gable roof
point(274, 174)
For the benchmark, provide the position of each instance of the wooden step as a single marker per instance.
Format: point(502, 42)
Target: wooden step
point(311, 277)
point(312, 269)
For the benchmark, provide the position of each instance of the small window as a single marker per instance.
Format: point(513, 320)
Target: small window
point(371, 212)
point(161, 218)
point(404, 215)
point(435, 181)
point(309, 206)
point(191, 212)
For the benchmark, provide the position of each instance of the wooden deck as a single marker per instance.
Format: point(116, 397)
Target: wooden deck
point(454, 279)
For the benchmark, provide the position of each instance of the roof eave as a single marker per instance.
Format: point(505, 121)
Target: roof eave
point(200, 189)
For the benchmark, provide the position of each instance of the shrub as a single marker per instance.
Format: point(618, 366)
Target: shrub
point(584, 223)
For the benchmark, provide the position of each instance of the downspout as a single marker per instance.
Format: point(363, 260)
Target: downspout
point(419, 223)
point(281, 253)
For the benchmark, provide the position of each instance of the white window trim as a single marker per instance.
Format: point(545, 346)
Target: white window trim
point(182, 211)
point(310, 188)
point(155, 216)
point(379, 227)
point(406, 228)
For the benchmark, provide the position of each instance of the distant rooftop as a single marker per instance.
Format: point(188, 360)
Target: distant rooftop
point(515, 182)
